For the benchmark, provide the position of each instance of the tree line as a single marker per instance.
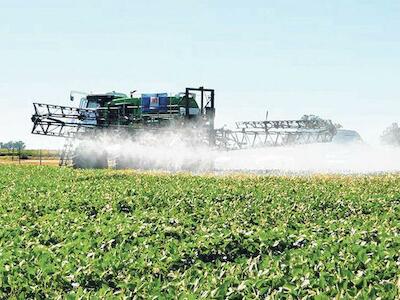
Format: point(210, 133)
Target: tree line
point(391, 135)
point(13, 145)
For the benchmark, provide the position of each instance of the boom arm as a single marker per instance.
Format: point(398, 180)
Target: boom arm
point(63, 121)
point(253, 134)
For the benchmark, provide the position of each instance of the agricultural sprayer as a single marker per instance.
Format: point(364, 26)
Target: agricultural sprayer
point(191, 113)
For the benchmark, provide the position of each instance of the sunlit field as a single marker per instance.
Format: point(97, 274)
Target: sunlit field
point(107, 233)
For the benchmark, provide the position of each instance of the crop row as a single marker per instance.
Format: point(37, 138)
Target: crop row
point(104, 233)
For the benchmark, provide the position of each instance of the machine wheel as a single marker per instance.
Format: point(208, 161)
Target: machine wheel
point(135, 163)
point(89, 159)
point(125, 162)
point(198, 165)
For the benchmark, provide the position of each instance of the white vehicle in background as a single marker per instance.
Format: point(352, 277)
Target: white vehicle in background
point(346, 136)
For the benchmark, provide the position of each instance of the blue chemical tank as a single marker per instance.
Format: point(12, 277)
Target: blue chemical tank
point(155, 102)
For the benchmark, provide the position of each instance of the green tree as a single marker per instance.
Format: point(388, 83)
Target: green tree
point(318, 118)
point(9, 145)
point(19, 145)
point(391, 135)
point(13, 145)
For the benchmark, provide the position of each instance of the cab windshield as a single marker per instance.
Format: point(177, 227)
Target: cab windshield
point(92, 104)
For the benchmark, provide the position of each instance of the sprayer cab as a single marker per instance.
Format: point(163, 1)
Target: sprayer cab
point(99, 100)
point(151, 108)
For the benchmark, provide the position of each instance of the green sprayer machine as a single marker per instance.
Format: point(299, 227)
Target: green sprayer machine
point(189, 114)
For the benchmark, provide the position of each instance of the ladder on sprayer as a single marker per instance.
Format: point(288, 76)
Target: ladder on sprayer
point(67, 152)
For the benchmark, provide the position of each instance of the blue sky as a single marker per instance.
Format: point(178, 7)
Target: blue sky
point(338, 59)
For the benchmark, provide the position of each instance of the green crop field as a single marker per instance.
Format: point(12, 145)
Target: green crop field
point(102, 234)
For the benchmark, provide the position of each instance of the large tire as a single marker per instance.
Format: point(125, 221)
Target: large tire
point(198, 165)
point(141, 163)
point(89, 159)
point(126, 162)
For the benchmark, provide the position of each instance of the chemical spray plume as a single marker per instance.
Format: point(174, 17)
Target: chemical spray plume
point(175, 150)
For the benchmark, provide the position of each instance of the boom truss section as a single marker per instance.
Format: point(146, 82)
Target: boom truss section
point(254, 134)
point(62, 121)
